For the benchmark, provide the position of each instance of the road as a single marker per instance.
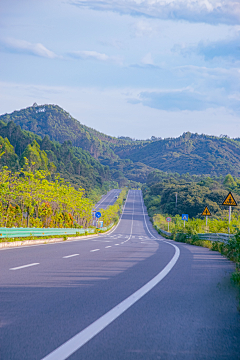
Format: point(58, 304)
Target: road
point(128, 294)
point(108, 199)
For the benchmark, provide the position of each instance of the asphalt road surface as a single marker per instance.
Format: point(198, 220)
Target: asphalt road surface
point(108, 199)
point(128, 294)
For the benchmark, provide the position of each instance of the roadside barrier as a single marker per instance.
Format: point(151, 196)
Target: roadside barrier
point(28, 232)
point(220, 237)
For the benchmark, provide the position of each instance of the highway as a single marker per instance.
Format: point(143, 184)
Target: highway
point(108, 199)
point(128, 294)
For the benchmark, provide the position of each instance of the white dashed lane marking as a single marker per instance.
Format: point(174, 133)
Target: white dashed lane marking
point(23, 266)
point(69, 256)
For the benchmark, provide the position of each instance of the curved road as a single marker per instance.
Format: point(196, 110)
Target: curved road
point(128, 294)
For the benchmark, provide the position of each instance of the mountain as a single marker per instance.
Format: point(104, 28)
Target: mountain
point(72, 163)
point(126, 158)
point(60, 126)
point(54, 122)
point(189, 153)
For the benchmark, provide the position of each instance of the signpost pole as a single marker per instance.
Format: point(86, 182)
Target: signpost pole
point(168, 226)
point(206, 221)
point(229, 219)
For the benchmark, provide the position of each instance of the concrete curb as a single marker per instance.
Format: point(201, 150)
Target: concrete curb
point(4, 245)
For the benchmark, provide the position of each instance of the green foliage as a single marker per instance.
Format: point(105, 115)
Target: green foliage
point(192, 197)
point(189, 153)
point(112, 213)
point(28, 198)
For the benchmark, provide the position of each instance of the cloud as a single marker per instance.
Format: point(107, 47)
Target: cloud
point(93, 55)
point(224, 49)
point(228, 49)
point(207, 11)
point(174, 100)
point(147, 59)
point(187, 99)
point(25, 47)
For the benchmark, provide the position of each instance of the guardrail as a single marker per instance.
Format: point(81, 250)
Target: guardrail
point(220, 237)
point(163, 231)
point(28, 232)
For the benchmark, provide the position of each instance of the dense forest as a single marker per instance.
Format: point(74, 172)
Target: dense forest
point(72, 163)
point(186, 194)
point(189, 153)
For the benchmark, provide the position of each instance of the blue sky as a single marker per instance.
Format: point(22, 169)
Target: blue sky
point(125, 67)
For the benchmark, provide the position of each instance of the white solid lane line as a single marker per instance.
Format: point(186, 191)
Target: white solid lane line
point(106, 247)
point(77, 341)
point(24, 266)
point(68, 256)
point(94, 250)
point(116, 244)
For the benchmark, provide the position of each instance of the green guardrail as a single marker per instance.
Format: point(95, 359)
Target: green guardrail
point(26, 232)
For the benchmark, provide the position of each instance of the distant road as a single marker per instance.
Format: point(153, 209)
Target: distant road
point(128, 294)
point(108, 199)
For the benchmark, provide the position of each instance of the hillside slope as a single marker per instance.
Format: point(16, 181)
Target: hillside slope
point(72, 163)
point(189, 153)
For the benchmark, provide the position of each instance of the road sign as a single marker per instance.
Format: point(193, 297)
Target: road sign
point(206, 212)
point(98, 214)
point(229, 201)
point(168, 219)
point(185, 217)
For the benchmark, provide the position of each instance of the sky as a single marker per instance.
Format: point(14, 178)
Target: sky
point(137, 68)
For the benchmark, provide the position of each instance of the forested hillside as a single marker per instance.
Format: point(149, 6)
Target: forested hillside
point(189, 153)
point(54, 122)
point(128, 159)
point(188, 194)
point(72, 163)
point(60, 126)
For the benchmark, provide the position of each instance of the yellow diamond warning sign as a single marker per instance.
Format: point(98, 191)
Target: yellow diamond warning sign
point(229, 201)
point(206, 212)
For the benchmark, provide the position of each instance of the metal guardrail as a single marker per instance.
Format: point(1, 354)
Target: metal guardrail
point(163, 231)
point(28, 232)
point(220, 237)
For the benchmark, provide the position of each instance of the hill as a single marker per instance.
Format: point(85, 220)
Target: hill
point(60, 126)
point(189, 153)
point(72, 163)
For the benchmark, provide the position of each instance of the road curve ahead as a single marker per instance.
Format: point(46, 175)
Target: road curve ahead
point(128, 294)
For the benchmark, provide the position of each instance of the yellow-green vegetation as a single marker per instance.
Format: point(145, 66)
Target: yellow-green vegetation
point(31, 198)
point(197, 226)
point(112, 213)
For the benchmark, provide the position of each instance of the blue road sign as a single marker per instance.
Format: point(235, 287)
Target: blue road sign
point(185, 217)
point(98, 214)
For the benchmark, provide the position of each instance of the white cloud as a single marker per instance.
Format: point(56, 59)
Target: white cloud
point(114, 115)
point(209, 11)
point(94, 55)
point(25, 47)
point(90, 55)
point(147, 59)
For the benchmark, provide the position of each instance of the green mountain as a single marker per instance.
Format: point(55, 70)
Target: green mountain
point(189, 153)
point(126, 158)
point(60, 126)
point(72, 163)
point(54, 122)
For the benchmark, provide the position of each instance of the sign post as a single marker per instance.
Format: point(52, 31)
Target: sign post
point(184, 218)
point(229, 201)
point(206, 213)
point(168, 219)
point(98, 215)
